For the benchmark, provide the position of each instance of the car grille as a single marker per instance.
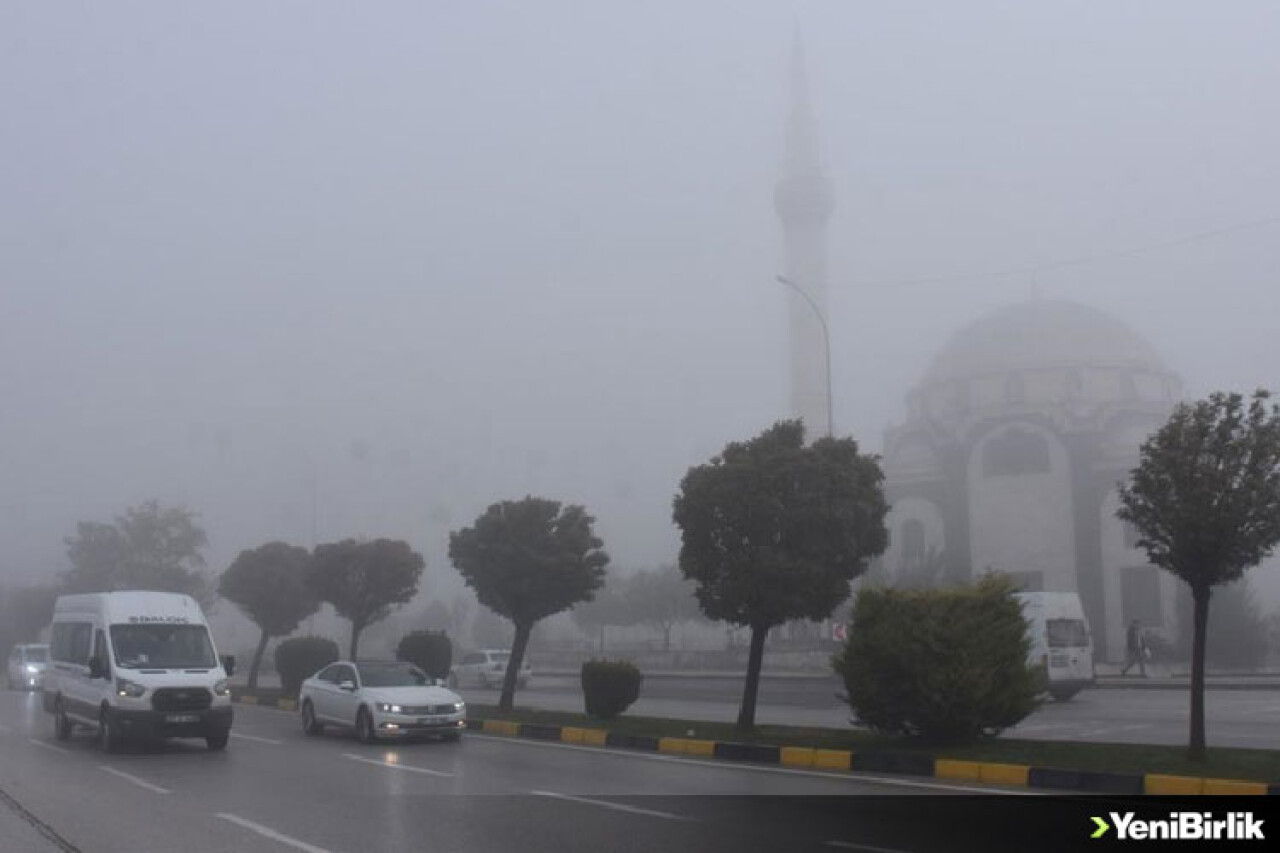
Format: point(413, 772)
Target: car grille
point(181, 699)
point(428, 709)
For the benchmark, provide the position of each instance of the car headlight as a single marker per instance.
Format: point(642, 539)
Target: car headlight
point(388, 708)
point(132, 689)
point(32, 668)
point(222, 688)
point(459, 707)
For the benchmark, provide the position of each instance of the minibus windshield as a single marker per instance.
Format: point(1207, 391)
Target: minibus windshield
point(158, 646)
point(1067, 633)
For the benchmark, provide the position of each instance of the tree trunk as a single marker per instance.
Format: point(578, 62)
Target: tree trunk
point(1200, 595)
point(521, 643)
point(257, 661)
point(356, 628)
point(747, 715)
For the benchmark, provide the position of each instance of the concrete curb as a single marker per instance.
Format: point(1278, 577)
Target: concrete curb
point(899, 763)
point(874, 761)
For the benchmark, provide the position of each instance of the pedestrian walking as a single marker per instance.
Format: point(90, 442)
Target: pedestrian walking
point(1136, 649)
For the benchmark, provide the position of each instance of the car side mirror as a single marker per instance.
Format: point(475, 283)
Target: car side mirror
point(229, 664)
point(349, 686)
point(97, 668)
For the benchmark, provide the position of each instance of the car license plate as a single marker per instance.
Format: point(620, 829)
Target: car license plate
point(432, 721)
point(182, 718)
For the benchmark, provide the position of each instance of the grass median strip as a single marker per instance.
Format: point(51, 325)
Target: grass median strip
point(1117, 767)
point(1121, 768)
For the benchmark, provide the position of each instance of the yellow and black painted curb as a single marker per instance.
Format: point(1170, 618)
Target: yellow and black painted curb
point(871, 761)
point(903, 763)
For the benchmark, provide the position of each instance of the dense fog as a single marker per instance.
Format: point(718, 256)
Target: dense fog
point(329, 270)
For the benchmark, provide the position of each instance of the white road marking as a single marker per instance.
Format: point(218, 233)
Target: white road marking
point(604, 804)
point(268, 832)
point(44, 745)
point(141, 783)
point(257, 739)
point(753, 768)
point(406, 767)
point(849, 845)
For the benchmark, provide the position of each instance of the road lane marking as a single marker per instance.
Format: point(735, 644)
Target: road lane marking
point(849, 845)
point(257, 739)
point(44, 745)
point(268, 832)
point(605, 804)
point(406, 767)
point(141, 783)
point(755, 768)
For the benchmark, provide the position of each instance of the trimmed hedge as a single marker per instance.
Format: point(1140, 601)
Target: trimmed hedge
point(609, 687)
point(945, 665)
point(299, 658)
point(430, 651)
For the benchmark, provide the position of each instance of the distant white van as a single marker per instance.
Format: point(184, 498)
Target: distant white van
point(1060, 640)
point(136, 664)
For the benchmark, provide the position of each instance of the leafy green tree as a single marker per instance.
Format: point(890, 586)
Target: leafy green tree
point(527, 560)
point(946, 665)
point(773, 530)
point(364, 580)
point(1205, 499)
point(151, 547)
point(660, 599)
point(269, 584)
point(24, 612)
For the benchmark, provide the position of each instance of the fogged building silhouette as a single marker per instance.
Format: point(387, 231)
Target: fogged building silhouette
point(1010, 457)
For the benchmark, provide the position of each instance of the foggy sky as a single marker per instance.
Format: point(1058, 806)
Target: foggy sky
point(411, 258)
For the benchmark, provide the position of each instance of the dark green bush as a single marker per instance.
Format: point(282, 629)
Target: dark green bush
point(609, 687)
point(430, 651)
point(299, 658)
point(947, 665)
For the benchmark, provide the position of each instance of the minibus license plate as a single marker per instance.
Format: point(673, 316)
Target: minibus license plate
point(431, 721)
point(182, 718)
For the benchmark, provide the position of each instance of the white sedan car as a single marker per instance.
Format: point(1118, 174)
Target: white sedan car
point(487, 668)
point(380, 699)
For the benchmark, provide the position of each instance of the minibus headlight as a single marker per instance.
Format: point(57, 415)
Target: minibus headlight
point(132, 689)
point(222, 688)
point(32, 668)
point(387, 708)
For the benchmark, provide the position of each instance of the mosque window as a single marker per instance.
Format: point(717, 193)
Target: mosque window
point(1140, 595)
point(1015, 452)
point(912, 542)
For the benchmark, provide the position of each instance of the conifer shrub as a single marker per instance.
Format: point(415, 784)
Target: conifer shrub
point(609, 687)
point(299, 658)
point(430, 651)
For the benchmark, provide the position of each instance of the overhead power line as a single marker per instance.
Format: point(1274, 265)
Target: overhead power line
point(1081, 260)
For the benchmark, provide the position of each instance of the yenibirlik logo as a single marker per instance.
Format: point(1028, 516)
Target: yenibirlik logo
point(1182, 826)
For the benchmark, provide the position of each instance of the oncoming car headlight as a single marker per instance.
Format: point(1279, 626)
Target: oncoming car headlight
point(388, 708)
point(32, 668)
point(459, 706)
point(222, 688)
point(132, 689)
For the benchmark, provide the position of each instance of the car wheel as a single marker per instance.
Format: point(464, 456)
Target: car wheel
point(218, 742)
point(61, 724)
point(309, 723)
point(364, 726)
point(108, 733)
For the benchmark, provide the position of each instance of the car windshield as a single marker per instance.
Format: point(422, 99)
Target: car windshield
point(37, 654)
point(1065, 633)
point(155, 646)
point(392, 675)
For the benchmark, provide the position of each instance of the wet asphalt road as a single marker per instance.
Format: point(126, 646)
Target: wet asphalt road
point(275, 789)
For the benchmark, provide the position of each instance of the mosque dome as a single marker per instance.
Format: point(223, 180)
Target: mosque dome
point(1038, 355)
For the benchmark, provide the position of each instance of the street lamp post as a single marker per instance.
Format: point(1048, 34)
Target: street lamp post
point(826, 341)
